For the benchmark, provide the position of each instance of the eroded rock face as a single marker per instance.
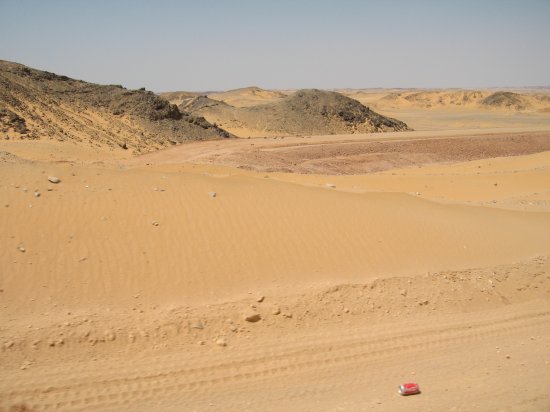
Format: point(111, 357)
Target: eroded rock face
point(36, 104)
point(10, 120)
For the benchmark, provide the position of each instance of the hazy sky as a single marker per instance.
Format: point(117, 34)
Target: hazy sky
point(216, 45)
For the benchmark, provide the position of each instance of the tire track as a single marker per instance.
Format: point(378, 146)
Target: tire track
point(195, 379)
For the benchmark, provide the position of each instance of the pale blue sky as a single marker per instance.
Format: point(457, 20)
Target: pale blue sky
point(214, 45)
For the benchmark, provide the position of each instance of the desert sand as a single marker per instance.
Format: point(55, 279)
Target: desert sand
point(304, 273)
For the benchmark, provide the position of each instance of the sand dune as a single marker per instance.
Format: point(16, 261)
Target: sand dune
point(109, 250)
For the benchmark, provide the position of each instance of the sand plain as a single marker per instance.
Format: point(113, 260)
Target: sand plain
point(424, 258)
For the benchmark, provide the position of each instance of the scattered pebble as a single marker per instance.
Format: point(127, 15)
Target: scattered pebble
point(276, 311)
point(25, 365)
point(252, 317)
point(221, 342)
point(260, 299)
point(212, 194)
point(54, 179)
point(21, 249)
point(109, 335)
point(197, 325)
point(36, 193)
point(155, 223)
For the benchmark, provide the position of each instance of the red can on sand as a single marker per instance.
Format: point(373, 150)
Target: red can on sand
point(409, 389)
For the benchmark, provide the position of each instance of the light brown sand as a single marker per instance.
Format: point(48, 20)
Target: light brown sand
point(121, 285)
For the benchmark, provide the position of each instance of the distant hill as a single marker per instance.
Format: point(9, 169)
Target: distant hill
point(475, 99)
point(440, 98)
point(305, 112)
point(508, 100)
point(178, 98)
point(247, 96)
point(36, 104)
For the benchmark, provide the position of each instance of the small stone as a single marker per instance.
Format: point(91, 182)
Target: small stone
point(36, 193)
point(212, 194)
point(508, 356)
point(21, 249)
point(287, 315)
point(260, 299)
point(8, 344)
point(403, 292)
point(331, 185)
point(54, 179)
point(155, 223)
point(276, 311)
point(197, 325)
point(221, 342)
point(252, 317)
point(109, 335)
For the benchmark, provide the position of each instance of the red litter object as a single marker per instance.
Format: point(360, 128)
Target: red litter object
point(409, 389)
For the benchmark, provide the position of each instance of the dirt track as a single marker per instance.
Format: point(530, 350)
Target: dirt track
point(354, 154)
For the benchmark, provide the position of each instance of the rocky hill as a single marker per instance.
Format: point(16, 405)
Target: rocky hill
point(37, 104)
point(507, 100)
point(306, 112)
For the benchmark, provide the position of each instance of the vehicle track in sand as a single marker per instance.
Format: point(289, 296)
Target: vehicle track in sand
point(184, 378)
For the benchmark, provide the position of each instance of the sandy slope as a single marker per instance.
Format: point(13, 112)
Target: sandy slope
point(125, 286)
point(248, 96)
